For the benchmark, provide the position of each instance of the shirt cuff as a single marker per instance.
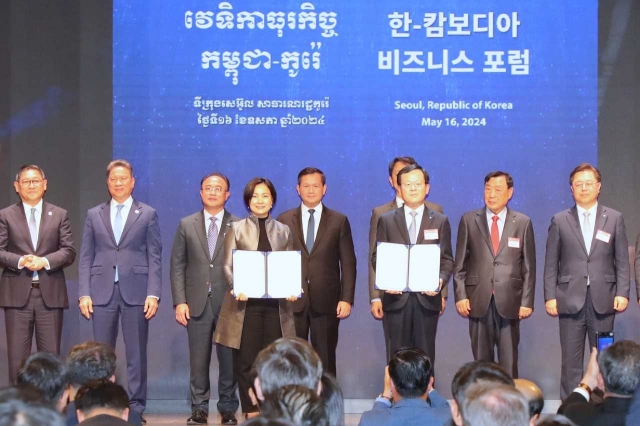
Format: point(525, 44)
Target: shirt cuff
point(377, 299)
point(155, 297)
point(582, 392)
point(19, 262)
point(385, 401)
point(47, 266)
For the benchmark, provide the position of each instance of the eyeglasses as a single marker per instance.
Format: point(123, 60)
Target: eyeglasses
point(27, 183)
point(587, 185)
point(416, 185)
point(214, 189)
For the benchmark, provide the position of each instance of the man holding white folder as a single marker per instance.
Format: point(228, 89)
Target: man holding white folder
point(412, 316)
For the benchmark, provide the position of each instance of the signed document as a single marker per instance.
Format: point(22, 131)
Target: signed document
point(274, 274)
point(401, 267)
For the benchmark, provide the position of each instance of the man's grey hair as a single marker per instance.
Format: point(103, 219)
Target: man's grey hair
point(288, 361)
point(489, 404)
point(620, 367)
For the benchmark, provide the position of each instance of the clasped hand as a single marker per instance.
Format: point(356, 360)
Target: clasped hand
point(33, 262)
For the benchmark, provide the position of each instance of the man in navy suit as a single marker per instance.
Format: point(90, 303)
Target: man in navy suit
point(408, 397)
point(586, 271)
point(120, 274)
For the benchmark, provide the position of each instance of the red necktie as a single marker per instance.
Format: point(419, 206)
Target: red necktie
point(495, 235)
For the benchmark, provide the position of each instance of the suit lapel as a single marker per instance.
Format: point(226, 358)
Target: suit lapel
point(21, 220)
point(45, 221)
point(134, 214)
point(297, 223)
point(105, 214)
point(573, 220)
point(481, 222)
point(325, 218)
point(199, 226)
point(601, 220)
point(427, 218)
point(509, 225)
point(402, 225)
point(226, 218)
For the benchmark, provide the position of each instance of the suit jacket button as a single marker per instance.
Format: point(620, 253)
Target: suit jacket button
point(586, 278)
point(491, 281)
point(211, 265)
point(114, 266)
point(495, 263)
point(588, 260)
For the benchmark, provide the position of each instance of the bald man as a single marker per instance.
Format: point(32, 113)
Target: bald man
point(534, 397)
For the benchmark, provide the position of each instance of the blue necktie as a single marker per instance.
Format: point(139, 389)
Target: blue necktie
point(311, 229)
point(117, 231)
point(33, 230)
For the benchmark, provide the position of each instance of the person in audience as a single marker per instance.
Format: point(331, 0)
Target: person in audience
point(87, 362)
point(534, 397)
point(491, 404)
point(47, 373)
point(331, 394)
point(299, 404)
point(617, 372)
point(470, 373)
point(250, 325)
point(261, 421)
point(287, 361)
point(14, 412)
point(408, 397)
point(555, 420)
point(26, 393)
point(633, 417)
point(102, 402)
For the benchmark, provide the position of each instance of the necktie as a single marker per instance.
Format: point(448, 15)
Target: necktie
point(33, 230)
point(413, 235)
point(117, 231)
point(212, 236)
point(495, 235)
point(311, 231)
point(587, 232)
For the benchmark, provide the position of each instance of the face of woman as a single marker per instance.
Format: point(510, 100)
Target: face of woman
point(261, 201)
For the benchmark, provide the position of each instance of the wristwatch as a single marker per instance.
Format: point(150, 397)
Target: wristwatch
point(585, 387)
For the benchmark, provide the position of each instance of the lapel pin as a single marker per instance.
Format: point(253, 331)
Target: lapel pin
point(137, 212)
point(50, 214)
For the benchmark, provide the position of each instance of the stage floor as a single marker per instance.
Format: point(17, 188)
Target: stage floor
point(181, 419)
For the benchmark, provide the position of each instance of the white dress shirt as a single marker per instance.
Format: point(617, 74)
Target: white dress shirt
point(593, 211)
point(409, 218)
point(124, 213)
point(502, 217)
point(38, 215)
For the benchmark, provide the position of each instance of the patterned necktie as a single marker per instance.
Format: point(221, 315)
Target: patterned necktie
point(212, 236)
point(587, 232)
point(117, 232)
point(33, 230)
point(311, 229)
point(495, 235)
point(413, 235)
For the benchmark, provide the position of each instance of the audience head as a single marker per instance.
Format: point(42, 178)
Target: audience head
point(411, 373)
point(25, 393)
point(620, 367)
point(287, 361)
point(470, 373)
point(491, 404)
point(90, 361)
point(101, 397)
point(555, 420)
point(14, 412)
point(533, 395)
point(47, 373)
point(263, 421)
point(299, 404)
point(331, 394)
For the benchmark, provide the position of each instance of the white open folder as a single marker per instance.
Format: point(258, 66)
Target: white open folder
point(272, 274)
point(401, 267)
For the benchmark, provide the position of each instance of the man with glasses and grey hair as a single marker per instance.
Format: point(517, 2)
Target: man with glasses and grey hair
point(35, 246)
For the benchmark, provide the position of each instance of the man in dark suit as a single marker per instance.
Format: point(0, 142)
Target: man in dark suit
point(35, 246)
point(328, 266)
point(586, 271)
point(375, 296)
point(495, 273)
point(120, 274)
point(412, 318)
point(198, 287)
point(616, 371)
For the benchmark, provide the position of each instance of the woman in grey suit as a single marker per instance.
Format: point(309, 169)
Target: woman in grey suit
point(249, 325)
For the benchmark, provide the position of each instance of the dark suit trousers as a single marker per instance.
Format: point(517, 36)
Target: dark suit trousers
point(324, 334)
point(573, 328)
point(200, 331)
point(492, 330)
point(414, 326)
point(261, 327)
point(20, 324)
point(135, 331)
